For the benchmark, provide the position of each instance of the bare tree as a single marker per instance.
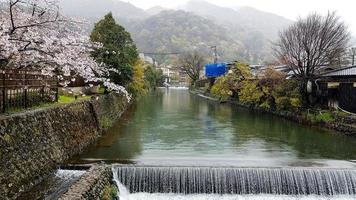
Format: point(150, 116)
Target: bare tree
point(191, 64)
point(312, 42)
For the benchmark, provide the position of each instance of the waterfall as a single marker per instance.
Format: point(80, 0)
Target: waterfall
point(207, 180)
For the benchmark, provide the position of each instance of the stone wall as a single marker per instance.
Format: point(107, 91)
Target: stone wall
point(91, 185)
point(107, 112)
point(34, 143)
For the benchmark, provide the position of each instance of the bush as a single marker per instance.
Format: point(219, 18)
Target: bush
point(296, 102)
point(239, 73)
point(271, 92)
point(251, 93)
point(221, 89)
point(283, 103)
point(287, 96)
point(265, 105)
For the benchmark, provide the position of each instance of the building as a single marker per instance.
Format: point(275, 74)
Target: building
point(337, 88)
point(147, 59)
point(173, 75)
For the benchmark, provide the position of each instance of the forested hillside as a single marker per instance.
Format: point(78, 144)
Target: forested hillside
point(179, 31)
point(244, 33)
point(254, 29)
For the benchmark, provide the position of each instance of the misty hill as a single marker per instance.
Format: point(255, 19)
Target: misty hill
point(95, 9)
point(180, 31)
point(255, 29)
point(245, 33)
point(243, 20)
point(155, 10)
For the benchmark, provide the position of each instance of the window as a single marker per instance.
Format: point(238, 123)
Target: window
point(333, 85)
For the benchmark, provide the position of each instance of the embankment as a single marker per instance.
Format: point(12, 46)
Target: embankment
point(345, 125)
point(91, 185)
point(34, 143)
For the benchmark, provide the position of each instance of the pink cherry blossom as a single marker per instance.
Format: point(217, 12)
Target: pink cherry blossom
point(35, 35)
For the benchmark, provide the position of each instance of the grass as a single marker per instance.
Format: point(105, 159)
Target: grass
point(109, 193)
point(324, 117)
point(62, 99)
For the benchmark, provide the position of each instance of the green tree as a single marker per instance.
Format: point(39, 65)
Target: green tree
point(287, 95)
point(240, 73)
point(138, 86)
point(251, 93)
point(221, 89)
point(118, 51)
point(154, 77)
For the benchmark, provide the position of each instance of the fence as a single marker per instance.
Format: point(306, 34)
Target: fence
point(24, 88)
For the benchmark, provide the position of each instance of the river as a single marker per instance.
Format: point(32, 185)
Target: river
point(173, 127)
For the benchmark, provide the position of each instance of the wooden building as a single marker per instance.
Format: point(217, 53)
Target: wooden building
point(337, 88)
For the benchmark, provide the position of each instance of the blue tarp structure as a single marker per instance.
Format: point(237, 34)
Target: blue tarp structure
point(215, 70)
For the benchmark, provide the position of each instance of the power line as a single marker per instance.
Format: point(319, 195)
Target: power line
point(162, 53)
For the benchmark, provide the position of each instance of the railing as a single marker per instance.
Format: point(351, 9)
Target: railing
point(23, 89)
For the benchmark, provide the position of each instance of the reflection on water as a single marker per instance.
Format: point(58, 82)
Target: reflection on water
point(174, 127)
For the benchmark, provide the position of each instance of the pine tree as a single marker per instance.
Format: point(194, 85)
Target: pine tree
point(118, 51)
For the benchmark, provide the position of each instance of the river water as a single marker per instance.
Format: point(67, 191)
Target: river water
point(175, 128)
point(175, 145)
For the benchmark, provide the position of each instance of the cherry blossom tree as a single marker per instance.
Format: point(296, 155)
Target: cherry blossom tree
point(36, 36)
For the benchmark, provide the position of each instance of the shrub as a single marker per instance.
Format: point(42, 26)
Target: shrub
point(296, 102)
point(251, 93)
point(239, 73)
point(287, 96)
point(221, 89)
point(283, 103)
point(265, 105)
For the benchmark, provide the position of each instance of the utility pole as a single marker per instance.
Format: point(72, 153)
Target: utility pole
point(353, 54)
point(212, 79)
point(214, 48)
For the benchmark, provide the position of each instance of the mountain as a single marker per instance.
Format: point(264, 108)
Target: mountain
point(155, 10)
point(180, 31)
point(244, 19)
point(255, 29)
point(95, 9)
point(244, 33)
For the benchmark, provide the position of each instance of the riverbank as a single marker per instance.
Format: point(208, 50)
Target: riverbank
point(342, 124)
point(34, 143)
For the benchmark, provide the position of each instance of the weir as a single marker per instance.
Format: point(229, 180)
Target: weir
point(208, 180)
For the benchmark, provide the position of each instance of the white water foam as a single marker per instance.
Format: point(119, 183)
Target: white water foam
point(69, 174)
point(124, 194)
point(146, 196)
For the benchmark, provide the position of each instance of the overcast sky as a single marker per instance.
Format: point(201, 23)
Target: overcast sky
point(288, 8)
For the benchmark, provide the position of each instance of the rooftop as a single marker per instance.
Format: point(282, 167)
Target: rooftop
point(345, 71)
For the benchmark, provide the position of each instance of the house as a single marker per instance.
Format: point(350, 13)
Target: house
point(173, 75)
point(337, 88)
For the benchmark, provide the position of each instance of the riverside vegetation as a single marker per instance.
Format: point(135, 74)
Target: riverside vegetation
point(270, 91)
